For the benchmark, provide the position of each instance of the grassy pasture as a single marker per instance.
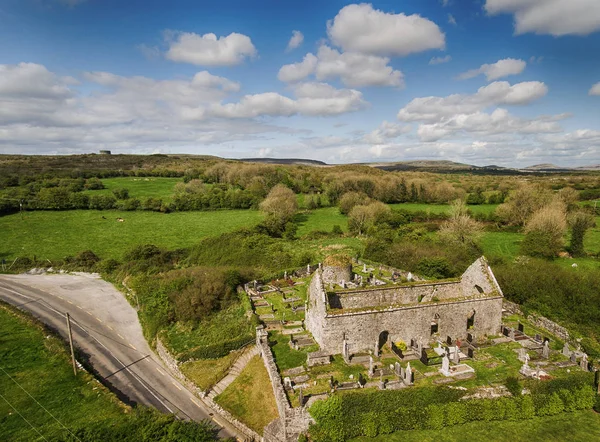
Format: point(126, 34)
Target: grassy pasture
point(54, 235)
point(42, 366)
point(321, 219)
point(580, 426)
point(140, 187)
point(441, 208)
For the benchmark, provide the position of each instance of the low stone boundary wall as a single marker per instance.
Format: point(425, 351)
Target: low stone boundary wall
point(173, 367)
point(262, 343)
point(538, 321)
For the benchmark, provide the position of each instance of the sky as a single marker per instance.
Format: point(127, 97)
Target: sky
point(505, 82)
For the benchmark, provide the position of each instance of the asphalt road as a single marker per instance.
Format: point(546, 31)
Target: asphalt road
point(105, 327)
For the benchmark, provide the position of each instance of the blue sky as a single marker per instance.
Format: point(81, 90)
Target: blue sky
point(509, 82)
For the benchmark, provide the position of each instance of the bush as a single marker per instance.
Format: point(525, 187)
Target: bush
point(513, 385)
point(434, 268)
point(337, 230)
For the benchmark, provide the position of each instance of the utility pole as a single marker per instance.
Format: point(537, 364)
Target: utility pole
point(71, 344)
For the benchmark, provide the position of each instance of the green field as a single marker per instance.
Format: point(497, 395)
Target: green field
point(54, 235)
point(321, 219)
point(581, 426)
point(140, 187)
point(41, 366)
point(442, 208)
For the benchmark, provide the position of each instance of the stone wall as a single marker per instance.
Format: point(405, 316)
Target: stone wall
point(363, 328)
point(262, 343)
point(337, 274)
point(173, 367)
point(539, 321)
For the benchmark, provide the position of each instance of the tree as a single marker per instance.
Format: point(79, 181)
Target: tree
point(545, 231)
point(522, 203)
point(460, 227)
point(363, 217)
point(349, 200)
point(280, 206)
point(579, 222)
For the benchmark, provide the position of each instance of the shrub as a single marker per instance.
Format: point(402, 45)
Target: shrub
point(337, 230)
point(434, 268)
point(513, 385)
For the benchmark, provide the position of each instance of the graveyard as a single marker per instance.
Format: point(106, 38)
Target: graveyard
point(478, 364)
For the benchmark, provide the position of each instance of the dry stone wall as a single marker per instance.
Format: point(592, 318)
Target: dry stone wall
point(539, 321)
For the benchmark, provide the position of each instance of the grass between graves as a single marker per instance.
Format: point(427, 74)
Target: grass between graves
point(250, 397)
point(40, 364)
point(285, 356)
point(140, 187)
point(580, 426)
point(54, 234)
point(205, 373)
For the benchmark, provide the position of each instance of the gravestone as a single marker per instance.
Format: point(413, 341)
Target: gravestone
point(397, 368)
point(408, 375)
point(522, 354)
point(381, 381)
point(402, 373)
point(287, 382)
point(469, 338)
point(470, 352)
point(446, 366)
point(521, 328)
point(573, 357)
point(566, 351)
point(370, 366)
point(546, 350)
point(538, 338)
point(511, 333)
point(583, 363)
point(345, 350)
point(409, 277)
point(364, 268)
point(301, 397)
point(448, 340)
point(456, 355)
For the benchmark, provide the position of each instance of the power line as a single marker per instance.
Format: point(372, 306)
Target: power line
point(23, 417)
point(36, 401)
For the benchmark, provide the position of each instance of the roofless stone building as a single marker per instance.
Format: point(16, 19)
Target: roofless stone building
point(363, 319)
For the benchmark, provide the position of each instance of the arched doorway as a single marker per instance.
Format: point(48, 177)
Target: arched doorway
point(383, 338)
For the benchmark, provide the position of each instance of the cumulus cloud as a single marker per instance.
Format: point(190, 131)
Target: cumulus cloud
point(352, 68)
point(295, 41)
point(291, 73)
point(440, 60)
point(494, 71)
point(432, 109)
point(595, 90)
point(360, 28)
point(386, 132)
point(554, 17)
point(208, 50)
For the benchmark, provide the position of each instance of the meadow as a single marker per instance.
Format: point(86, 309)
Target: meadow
point(140, 187)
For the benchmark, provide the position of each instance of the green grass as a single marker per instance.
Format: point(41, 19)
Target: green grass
point(205, 373)
point(285, 356)
point(581, 426)
point(225, 325)
point(54, 235)
point(40, 364)
point(140, 187)
point(501, 244)
point(442, 208)
point(250, 397)
point(321, 219)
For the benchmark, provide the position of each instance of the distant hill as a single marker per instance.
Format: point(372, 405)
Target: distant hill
point(296, 161)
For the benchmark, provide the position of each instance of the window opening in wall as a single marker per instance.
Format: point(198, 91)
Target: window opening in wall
point(479, 289)
point(471, 320)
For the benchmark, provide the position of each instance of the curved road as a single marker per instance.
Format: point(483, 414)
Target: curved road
point(106, 328)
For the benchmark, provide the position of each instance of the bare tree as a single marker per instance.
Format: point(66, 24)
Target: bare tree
point(461, 227)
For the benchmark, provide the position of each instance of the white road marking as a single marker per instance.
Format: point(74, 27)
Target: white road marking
point(98, 319)
point(89, 313)
point(195, 402)
point(70, 302)
point(131, 345)
point(178, 387)
point(160, 371)
point(80, 307)
point(110, 327)
point(121, 336)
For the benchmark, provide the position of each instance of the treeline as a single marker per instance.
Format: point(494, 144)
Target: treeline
point(346, 416)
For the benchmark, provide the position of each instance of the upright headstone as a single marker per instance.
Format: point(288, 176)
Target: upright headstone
point(308, 268)
point(573, 357)
point(521, 328)
point(538, 338)
point(320, 266)
point(409, 277)
point(285, 275)
point(583, 363)
point(446, 366)
point(511, 333)
point(566, 351)
point(408, 375)
point(364, 268)
point(370, 366)
point(469, 338)
point(471, 352)
point(419, 348)
point(301, 397)
point(522, 354)
point(381, 382)
point(397, 368)
point(345, 351)
point(546, 350)
point(448, 340)
point(402, 373)
point(456, 355)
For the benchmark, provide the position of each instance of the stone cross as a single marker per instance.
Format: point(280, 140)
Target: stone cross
point(370, 366)
point(546, 350)
point(345, 352)
point(445, 365)
point(566, 351)
point(583, 363)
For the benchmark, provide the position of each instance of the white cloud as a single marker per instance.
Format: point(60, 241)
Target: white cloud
point(451, 19)
point(360, 28)
point(554, 17)
point(494, 71)
point(30, 80)
point(440, 60)
point(354, 69)
point(208, 50)
point(385, 132)
point(595, 90)
point(295, 41)
point(149, 52)
point(291, 73)
point(432, 109)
